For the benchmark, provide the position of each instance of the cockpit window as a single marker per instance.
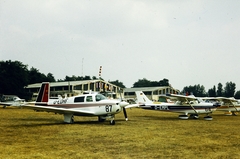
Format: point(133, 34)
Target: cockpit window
point(100, 97)
point(78, 99)
point(89, 99)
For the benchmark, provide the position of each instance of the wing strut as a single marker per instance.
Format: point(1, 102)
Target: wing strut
point(233, 105)
point(191, 106)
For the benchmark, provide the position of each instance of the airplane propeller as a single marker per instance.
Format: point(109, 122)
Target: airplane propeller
point(123, 104)
point(125, 113)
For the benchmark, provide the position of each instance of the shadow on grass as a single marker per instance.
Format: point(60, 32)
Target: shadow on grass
point(35, 122)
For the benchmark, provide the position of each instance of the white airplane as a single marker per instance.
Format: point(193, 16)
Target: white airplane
point(11, 100)
point(230, 106)
point(183, 104)
point(81, 105)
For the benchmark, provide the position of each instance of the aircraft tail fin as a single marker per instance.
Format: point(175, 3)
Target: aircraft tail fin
point(43, 94)
point(142, 98)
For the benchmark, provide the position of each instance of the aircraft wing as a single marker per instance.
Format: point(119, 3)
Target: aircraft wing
point(226, 100)
point(5, 103)
point(58, 110)
point(177, 97)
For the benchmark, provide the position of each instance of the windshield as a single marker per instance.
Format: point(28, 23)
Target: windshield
point(100, 97)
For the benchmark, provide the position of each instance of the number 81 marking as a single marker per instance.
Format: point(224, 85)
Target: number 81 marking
point(108, 108)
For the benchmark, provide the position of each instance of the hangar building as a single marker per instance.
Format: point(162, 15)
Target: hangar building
point(151, 92)
point(72, 88)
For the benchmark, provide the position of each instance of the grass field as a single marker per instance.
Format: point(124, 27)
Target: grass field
point(147, 134)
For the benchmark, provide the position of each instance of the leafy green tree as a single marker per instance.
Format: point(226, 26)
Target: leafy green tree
point(229, 89)
point(212, 92)
point(117, 83)
point(196, 90)
point(35, 76)
point(237, 95)
point(220, 90)
point(94, 77)
point(142, 83)
point(13, 77)
point(50, 77)
point(147, 83)
point(76, 78)
point(164, 82)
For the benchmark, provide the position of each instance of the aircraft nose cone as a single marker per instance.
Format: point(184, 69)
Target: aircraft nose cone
point(123, 104)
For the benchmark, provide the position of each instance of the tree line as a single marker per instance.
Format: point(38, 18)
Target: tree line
point(14, 76)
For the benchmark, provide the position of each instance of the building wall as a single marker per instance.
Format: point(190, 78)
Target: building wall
point(150, 92)
point(78, 88)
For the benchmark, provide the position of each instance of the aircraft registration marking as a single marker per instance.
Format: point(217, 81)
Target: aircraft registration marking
point(160, 107)
point(61, 101)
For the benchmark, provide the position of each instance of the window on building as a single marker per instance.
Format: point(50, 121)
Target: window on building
point(155, 92)
point(85, 87)
point(147, 92)
point(77, 87)
point(92, 86)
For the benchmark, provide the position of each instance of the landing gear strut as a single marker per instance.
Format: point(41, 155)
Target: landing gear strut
point(194, 116)
point(101, 119)
point(112, 122)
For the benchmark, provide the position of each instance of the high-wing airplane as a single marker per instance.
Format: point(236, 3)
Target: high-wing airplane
point(183, 104)
point(230, 106)
point(81, 105)
point(11, 100)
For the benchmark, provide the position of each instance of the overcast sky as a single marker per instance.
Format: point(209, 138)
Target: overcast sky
point(187, 42)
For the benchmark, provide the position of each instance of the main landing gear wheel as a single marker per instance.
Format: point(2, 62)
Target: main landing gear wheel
point(208, 118)
point(112, 122)
point(183, 117)
point(235, 113)
point(228, 113)
point(194, 116)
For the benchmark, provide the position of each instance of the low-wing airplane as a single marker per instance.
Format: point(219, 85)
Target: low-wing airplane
point(81, 105)
point(230, 106)
point(11, 100)
point(183, 104)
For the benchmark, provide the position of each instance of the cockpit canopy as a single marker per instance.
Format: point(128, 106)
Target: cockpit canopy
point(89, 98)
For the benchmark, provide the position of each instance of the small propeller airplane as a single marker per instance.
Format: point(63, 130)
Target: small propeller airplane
point(183, 104)
point(230, 106)
point(11, 100)
point(81, 105)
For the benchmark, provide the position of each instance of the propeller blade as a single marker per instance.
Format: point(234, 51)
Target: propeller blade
point(125, 113)
point(123, 104)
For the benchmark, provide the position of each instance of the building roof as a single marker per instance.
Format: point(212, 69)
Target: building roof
point(65, 83)
point(144, 89)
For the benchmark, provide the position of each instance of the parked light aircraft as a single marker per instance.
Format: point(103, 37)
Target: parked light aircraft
point(230, 106)
point(11, 100)
point(81, 105)
point(183, 104)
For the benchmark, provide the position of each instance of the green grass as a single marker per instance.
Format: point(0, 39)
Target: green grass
point(147, 134)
